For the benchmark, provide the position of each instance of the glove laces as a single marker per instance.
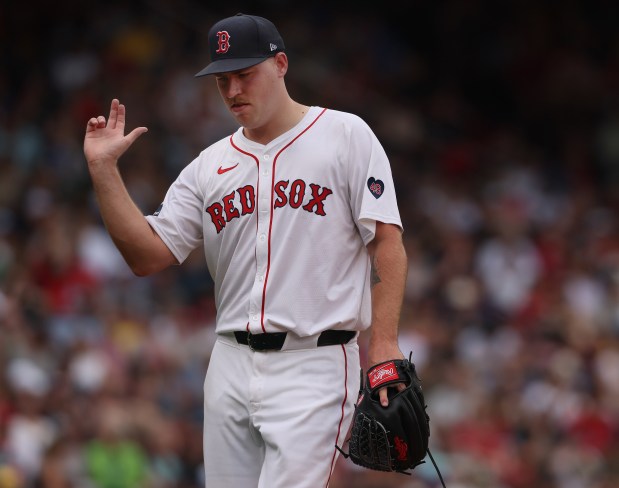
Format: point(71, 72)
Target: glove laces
point(440, 476)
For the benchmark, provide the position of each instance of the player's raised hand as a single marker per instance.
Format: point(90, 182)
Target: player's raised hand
point(105, 141)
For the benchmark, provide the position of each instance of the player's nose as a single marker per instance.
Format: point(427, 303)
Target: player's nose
point(233, 88)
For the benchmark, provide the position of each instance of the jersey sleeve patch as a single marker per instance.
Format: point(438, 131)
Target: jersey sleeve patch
point(376, 187)
point(158, 211)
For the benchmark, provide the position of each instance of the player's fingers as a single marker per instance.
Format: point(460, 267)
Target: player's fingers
point(384, 395)
point(384, 398)
point(120, 122)
point(135, 133)
point(112, 120)
point(92, 124)
point(95, 123)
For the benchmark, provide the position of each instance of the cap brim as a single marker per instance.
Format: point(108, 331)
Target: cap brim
point(226, 65)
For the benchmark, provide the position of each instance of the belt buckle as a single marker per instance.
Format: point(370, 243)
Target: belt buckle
point(249, 341)
point(266, 342)
point(253, 340)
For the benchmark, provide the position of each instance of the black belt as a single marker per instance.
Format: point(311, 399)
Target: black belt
point(274, 341)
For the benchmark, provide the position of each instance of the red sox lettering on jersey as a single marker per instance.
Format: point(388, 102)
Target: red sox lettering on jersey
point(292, 194)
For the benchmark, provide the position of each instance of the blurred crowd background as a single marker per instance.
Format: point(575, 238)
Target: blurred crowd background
point(501, 119)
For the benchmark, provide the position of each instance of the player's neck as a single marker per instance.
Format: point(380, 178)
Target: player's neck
point(287, 116)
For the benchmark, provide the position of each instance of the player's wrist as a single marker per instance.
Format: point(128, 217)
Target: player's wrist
point(103, 165)
point(381, 339)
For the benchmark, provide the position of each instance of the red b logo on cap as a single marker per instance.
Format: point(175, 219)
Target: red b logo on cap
point(223, 42)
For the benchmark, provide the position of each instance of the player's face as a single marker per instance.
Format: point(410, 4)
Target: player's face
point(250, 93)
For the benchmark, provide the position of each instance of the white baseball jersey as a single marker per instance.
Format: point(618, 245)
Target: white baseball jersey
point(284, 225)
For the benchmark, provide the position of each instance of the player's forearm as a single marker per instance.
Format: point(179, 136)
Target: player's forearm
point(126, 224)
point(389, 268)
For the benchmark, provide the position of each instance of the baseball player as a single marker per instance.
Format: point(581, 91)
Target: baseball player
point(297, 215)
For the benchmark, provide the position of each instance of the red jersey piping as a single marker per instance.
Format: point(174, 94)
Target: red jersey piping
point(257, 191)
point(339, 427)
point(266, 276)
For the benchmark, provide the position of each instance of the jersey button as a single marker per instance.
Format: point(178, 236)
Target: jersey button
point(260, 278)
point(262, 237)
point(267, 157)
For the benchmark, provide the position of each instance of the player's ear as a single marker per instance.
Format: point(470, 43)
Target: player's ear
point(281, 63)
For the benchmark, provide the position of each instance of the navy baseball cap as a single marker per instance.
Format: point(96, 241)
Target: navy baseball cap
point(241, 41)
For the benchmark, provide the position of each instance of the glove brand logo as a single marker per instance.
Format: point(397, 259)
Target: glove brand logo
point(383, 374)
point(402, 448)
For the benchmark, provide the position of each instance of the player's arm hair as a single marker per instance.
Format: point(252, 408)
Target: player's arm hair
point(388, 277)
point(139, 244)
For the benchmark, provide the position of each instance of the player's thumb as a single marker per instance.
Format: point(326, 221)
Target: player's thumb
point(135, 133)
